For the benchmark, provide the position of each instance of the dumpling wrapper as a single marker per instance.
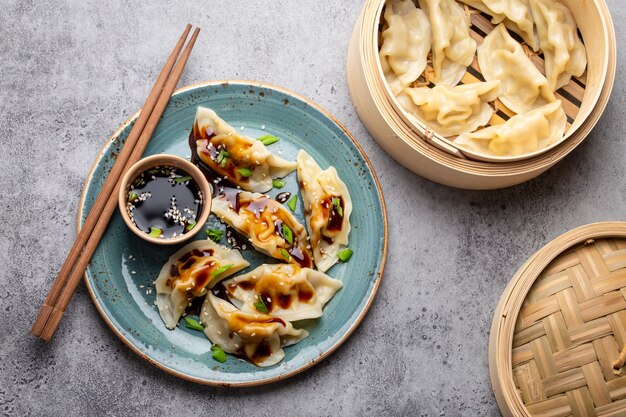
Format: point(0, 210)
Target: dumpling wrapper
point(327, 209)
point(212, 135)
point(452, 45)
point(515, 14)
point(521, 134)
point(288, 291)
point(564, 53)
point(189, 273)
point(451, 111)
point(260, 219)
point(258, 336)
point(406, 43)
point(524, 87)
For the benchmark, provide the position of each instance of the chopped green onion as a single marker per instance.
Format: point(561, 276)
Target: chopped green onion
point(245, 172)
point(154, 171)
point(155, 232)
point(220, 270)
point(292, 203)
point(133, 196)
point(285, 254)
point(260, 305)
point(190, 226)
point(193, 324)
point(180, 180)
point(278, 183)
point(337, 204)
point(218, 354)
point(345, 255)
point(268, 139)
point(222, 157)
point(214, 234)
point(287, 234)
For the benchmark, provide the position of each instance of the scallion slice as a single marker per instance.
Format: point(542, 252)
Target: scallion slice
point(345, 255)
point(268, 139)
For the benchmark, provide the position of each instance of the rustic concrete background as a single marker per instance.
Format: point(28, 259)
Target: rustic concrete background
point(71, 72)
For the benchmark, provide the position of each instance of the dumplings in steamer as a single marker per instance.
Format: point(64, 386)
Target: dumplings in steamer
point(516, 15)
point(406, 43)
point(521, 134)
point(451, 111)
point(564, 53)
point(524, 87)
point(452, 45)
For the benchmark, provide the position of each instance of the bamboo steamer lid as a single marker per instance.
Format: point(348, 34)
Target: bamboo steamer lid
point(426, 153)
point(558, 338)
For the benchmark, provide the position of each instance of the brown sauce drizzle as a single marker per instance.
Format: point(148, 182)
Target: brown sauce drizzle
point(283, 197)
point(262, 352)
point(335, 221)
point(235, 240)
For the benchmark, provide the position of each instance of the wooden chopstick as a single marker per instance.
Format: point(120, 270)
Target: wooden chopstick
point(48, 320)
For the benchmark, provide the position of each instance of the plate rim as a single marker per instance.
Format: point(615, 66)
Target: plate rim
point(353, 326)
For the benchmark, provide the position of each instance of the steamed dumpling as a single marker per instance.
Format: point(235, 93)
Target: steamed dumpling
point(189, 273)
point(515, 14)
point(327, 208)
point(521, 134)
point(406, 43)
point(268, 225)
point(244, 161)
point(451, 111)
point(452, 46)
point(563, 51)
point(258, 336)
point(288, 291)
point(524, 87)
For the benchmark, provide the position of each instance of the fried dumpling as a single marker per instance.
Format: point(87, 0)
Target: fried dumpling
point(406, 43)
point(515, 14)
point(244, 161)
point(451, 111)
point(452, 45)
point(189, 273)
point(524, 87)
point(287, 291)
point(521, 134)
point(564, 53)
point(269, 226)
point(259, 336)
point(327, 208)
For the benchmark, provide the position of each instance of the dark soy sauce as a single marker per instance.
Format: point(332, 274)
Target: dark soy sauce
point(164, 202)
point(283, 197)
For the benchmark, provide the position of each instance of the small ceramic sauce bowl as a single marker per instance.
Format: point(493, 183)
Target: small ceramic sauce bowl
point(164, 199)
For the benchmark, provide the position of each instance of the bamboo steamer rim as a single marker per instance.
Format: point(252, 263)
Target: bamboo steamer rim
point(452, 157)
point(508, 309)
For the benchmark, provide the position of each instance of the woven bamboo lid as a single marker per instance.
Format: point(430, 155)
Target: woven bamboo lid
point(558, 338)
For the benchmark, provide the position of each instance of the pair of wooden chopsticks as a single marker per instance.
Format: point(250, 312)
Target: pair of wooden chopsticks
point(90, 234)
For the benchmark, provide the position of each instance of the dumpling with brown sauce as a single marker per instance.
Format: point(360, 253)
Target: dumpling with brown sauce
point(268, 225)
point(246, 162)
point(189, 273)
point(327, 208)
point(260, 337)
point(286, 291)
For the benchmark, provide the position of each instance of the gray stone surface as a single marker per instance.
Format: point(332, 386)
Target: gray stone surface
point(71, 72)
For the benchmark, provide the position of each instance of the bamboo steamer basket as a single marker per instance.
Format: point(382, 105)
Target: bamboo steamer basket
point(434, 157)
point(560, 328)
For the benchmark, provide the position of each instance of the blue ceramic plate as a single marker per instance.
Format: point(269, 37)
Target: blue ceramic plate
point(120, 277)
